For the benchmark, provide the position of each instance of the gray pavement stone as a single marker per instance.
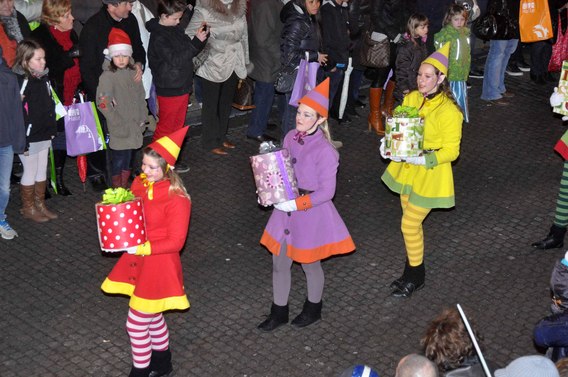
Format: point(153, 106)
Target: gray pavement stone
point(57, 322)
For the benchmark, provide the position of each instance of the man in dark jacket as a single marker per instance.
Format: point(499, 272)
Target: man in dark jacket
point(335, 36)
point(93, 41)
point(264, 28)
point(12, 139)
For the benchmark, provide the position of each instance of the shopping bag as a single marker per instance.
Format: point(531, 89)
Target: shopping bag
point(305, 80)
point(559, 49)
point(83, 132)
point(534, 21)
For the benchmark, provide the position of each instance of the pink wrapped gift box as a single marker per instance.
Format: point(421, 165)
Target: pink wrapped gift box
point(121, 225)
point(274, 177)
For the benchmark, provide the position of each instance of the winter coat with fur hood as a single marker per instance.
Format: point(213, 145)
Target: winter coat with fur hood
point(227, 49)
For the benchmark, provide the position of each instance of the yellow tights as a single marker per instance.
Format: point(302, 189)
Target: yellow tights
point(411, 227)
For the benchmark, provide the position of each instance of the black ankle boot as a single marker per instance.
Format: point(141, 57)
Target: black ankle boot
point(414, 282)
point(398, 282)
point(554, 240)
point(161, 364)
point(278, 317)
point(139, 372)
point(310, 313)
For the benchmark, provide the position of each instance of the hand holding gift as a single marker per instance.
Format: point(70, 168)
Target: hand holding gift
point(287, 206)
point(384, 155)
point(120, 221)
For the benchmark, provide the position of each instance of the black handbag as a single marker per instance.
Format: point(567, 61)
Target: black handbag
point(285, 80)
point(242, 99)
point(374, 54)
point(495, 25)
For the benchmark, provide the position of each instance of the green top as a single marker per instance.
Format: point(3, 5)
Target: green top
point(460, 52)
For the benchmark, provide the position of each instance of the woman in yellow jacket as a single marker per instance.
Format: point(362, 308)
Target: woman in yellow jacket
point(426, 182)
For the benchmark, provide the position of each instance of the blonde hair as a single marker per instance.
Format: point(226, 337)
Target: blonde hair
point(52, 10)
point(455, 10)
point(176, 184)
point(325, 129)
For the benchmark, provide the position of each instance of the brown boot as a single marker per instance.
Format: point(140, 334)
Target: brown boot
point(124, 177)
point(375, 118)
point(116, 181)
point(389, 98)
point(28, 209)
point(40, 200)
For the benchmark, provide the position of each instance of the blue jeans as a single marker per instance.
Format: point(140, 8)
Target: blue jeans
point(121, 160)
point(6, 160)
point(494, 78)
point(288, 113)
point(263, 98)
point(552, 331)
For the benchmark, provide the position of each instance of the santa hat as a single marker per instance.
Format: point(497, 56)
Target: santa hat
point(318, 98)
point(118, 43)
point(439, 58)
point(169, 146)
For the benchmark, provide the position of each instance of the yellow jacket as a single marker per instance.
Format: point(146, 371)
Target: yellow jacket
point(432, 185)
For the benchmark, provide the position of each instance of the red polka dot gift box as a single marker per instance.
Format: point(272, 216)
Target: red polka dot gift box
point(120, 220)
point(273, 175)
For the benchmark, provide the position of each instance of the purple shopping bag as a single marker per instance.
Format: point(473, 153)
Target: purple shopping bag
point(305, 80)
point(83, 132)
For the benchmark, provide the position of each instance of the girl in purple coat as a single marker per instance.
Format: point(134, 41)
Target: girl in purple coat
point(309, 228)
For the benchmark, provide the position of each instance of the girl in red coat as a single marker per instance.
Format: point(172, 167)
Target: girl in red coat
point(151, 273)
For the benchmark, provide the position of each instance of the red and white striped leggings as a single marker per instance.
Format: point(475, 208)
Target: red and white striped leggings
point(148, 332)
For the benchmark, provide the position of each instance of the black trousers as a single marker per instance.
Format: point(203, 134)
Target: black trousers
point(217, 99)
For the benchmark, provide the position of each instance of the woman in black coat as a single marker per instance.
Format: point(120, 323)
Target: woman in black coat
point(60, 42)
point(388, 17)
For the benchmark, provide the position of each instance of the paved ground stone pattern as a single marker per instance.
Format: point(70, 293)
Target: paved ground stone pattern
point(57, 322)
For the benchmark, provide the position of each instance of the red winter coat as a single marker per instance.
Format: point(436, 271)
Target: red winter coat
point(155, 282)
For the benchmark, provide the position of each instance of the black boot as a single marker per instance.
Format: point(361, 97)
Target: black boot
point(310, 313)
point(554, 240)
point(414, 282)
point(278, 317)
point(59, 157)
point(398, 282)
point(139, 372)
point(161, 363)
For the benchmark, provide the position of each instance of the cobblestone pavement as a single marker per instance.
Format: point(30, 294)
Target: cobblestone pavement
point(57, 322)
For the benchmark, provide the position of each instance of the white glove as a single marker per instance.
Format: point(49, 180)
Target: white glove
point(556, 98)
point(420, 160)
point(287, 206)
point(383, 155)
point(131, 250)
point(565, 118)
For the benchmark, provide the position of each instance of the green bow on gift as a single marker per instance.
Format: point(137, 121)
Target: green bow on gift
point(406, 112)
point(117, 196)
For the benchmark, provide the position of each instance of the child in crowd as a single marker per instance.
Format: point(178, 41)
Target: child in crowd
point(455, 32)
point(410, 54)
point(170, 56)
point(40, 126)
point(151, 273)
point(308, 229)
point(425, 182)
point(122, 101)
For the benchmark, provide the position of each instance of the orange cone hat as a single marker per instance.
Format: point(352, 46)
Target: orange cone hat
point(169, 146)
point(318, 98)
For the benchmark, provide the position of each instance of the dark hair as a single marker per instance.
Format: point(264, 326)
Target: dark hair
point(447, 341)
point(114, 68)
point(444, 87)
point(453, 10)
point(176, 184)
point(169, 7)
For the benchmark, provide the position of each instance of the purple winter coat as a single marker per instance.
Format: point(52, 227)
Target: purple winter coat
point(315, 231)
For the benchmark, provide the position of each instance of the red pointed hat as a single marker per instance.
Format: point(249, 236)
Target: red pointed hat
point(318, 98)
point(118, 43)
point(169, 146)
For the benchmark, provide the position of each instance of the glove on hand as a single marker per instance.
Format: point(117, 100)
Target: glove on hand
point(420, 160)
point(556, 98)
point(383, 155)
point(131, 250)
point(287, 206)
